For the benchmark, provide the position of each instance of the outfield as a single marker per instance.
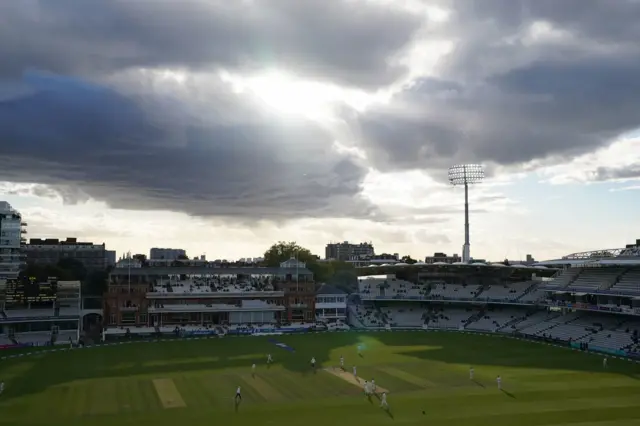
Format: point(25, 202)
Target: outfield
point(193, 383)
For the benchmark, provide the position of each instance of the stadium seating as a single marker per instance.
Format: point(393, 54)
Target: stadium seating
point(533, 295)
point(389, 287)
point(495, 320)
point(454, 291)
point(454, 318)
point(214, 284)
point(591, 279)
point(506, 293)
point(628, 283)
point(563, 279)
point(369, 317)
point(536, 322)
point(405, 316)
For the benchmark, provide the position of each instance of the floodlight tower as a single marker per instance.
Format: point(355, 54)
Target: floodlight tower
point(465, 175)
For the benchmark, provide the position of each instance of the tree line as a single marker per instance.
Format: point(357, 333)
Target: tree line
point(334, 272)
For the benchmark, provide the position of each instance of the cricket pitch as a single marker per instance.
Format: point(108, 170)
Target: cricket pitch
point(350, 378)
point(168, 393)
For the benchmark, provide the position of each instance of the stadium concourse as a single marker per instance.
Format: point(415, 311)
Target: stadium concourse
point(586, 300)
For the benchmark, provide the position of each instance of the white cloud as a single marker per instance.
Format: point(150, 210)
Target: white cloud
point(617, 157)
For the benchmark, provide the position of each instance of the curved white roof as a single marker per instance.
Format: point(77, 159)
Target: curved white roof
point(401, 264)
point(499, 265)
point(478, 264)
point(459, 263)
point(440, 263)
point(372, 266)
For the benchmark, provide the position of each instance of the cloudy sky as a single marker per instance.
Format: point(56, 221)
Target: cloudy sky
point(221, 126)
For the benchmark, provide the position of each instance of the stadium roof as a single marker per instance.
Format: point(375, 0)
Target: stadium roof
point(457, 265)
point(203, 270)
point(329, 289)
point(634, 261)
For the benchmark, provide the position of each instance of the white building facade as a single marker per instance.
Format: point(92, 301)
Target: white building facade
point(12, 229)
point(331, 304)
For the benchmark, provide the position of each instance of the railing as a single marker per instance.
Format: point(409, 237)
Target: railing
point(213, 294)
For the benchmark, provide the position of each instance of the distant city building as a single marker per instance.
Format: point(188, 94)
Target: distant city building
point(378, 259)
point(528, 261)
point(442, 258)
point(51, 250)
point(110, 257)
point(166, 253)
point(12, 242)
point(346, 251)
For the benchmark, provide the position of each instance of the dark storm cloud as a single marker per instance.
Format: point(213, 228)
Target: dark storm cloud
point(136, 153)
point(344, 41)
point(506, 98)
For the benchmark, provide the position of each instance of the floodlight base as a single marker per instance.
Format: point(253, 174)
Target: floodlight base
point(466, 253)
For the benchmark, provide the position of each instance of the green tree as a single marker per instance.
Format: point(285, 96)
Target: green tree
point(408, 259)
point(73, 269)
point(142, 258)
point(283, 251)
point(95, 283)
point(183, 257)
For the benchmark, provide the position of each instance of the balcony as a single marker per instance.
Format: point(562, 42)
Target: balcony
point(210, 308)
point(212, 295)
point(299, 305)
point(24, 224)
point(129, 308)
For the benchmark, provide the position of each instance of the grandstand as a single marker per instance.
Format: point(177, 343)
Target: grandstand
point(586, 301)
point(206, 300)
point(39, 313)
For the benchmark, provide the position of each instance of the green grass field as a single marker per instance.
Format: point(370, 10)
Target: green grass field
point(193, 383)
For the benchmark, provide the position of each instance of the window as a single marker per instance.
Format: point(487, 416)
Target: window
point(112, 319)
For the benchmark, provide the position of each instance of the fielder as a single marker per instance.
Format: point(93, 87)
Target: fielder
point(1, 387)
point(367, 388)
point(313, 363)
point(238, 396)
point(269, 359)
point(499, 382)
point(471, 373)
point(355, 372)
point(373, 386)
point(383, 401)
point(604, 362)
point(341, 362)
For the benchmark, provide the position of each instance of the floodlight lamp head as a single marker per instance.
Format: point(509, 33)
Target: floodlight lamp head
point(466, 174)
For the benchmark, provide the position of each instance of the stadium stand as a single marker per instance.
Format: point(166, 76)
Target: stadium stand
point(506, 293)
point(405, 316)
point(369, 317)
point(563, 279)
point(592, 279)
point(453, 291)
point(453, 318)
point(628, 283)
point(496, 319)
point(389, 286)
point(208, 285)
point(533, 294)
